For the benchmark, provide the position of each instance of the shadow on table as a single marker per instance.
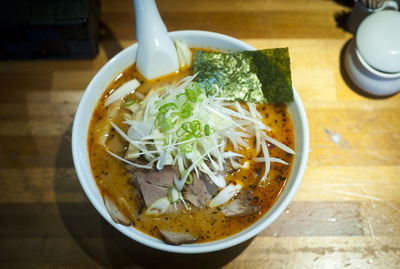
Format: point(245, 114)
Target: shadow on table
point(108, 40)
point(342, 16)
point(102, 242)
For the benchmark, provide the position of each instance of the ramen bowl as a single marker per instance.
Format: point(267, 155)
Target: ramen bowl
point(94, 91)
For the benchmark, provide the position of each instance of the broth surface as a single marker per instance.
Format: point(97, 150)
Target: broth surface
point(208, 224)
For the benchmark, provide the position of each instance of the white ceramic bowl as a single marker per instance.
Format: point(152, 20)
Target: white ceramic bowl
point(97, 86)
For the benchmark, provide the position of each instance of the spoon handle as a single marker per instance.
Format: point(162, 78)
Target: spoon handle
point(156, 54)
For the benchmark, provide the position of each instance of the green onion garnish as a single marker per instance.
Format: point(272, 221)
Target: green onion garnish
point(173, 194)
point(180, 132)
point(130, 102)
point(190, 181)
point(185, 148)
point(186, 110)
point(207, 130)
point(165, 124)
point(195, 126)
point(186, 127)
point(189, 130)
point(167, 106)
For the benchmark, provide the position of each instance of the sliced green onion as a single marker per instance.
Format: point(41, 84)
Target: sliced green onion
point(168, 106)
point(185, 148)
point(166, 125)
point(190, 130)
point(173, 194)
point(191, 95)
point(159, 117)
point(190, 181)
point(159, 207)
point(187, 137)
point(197, 88)
point(195, 125)
point(186, 127)
point(186, 110)
point(179, 95)
point(162, 111)
point(207, 129)
point(180, 132)
point(183, 174)
point(130, 102)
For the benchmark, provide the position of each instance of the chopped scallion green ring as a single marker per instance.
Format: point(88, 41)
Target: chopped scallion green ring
point(186, 127)
point(180, 132)
point(185, 148)
point(195, 125)
point(130, 102)
point(207, 129)
point(168, 106)
point(187, 137)
point(162, 112)
point(190, 181)
point(166, 125)
point(173, 194)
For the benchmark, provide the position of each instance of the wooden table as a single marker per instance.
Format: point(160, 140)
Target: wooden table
point(345, 214)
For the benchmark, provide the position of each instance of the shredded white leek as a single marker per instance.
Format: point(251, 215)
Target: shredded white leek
point(184, 53)
point(139, 95)
point(174, 195)
point(272, 160)
point(121, 92)
point(158, 208)
point(129, 162)
point(225, 195)
point(278, 144)
point(266, 160)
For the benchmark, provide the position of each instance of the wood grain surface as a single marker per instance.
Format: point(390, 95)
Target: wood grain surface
point(346, 213)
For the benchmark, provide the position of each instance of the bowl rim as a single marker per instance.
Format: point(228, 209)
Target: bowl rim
point(86, 178)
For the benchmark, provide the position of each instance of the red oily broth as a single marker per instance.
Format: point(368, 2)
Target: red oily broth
point(207, 224)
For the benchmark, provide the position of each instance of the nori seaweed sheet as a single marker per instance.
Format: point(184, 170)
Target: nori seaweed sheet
point(261, 76)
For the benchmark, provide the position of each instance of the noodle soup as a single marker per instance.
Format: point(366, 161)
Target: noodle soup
point(203, 222)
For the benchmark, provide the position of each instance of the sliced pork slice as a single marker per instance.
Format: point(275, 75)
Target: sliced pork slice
point(240, 206)
point(150, 192)
point(152, 185)
point(174, 238)
point(200, 192)
point(210, 185)
point(196, 193)
point(137, 193)
point(161, 178)
point(114, 212)
point(131, 168)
